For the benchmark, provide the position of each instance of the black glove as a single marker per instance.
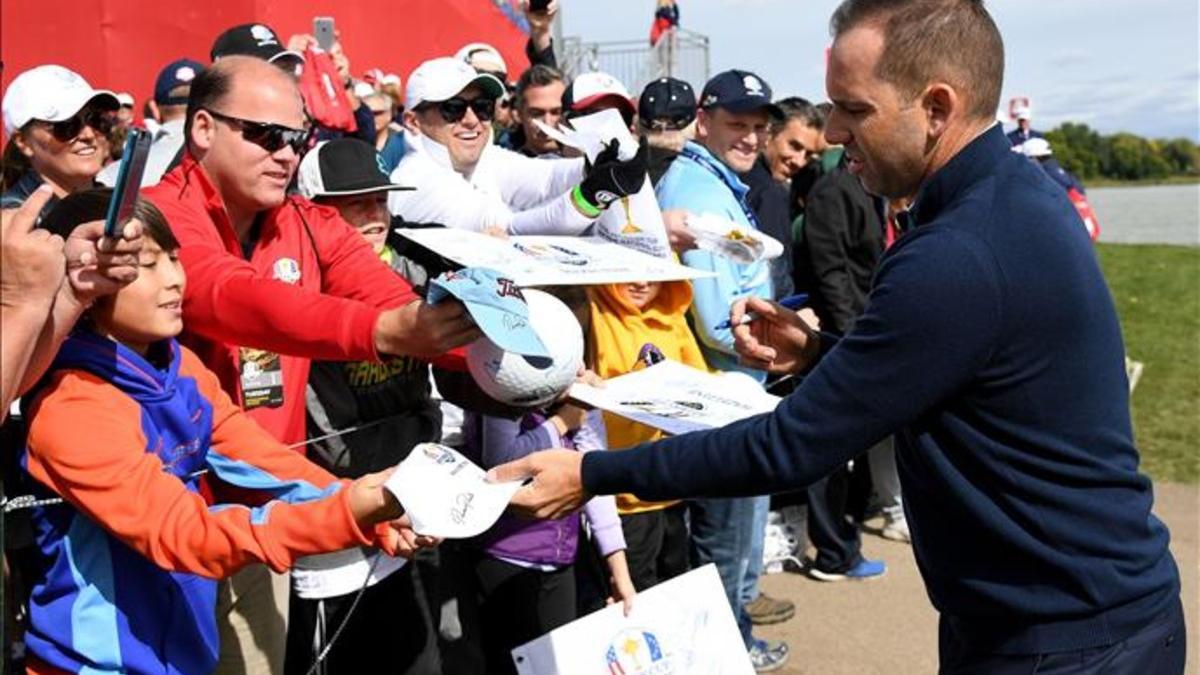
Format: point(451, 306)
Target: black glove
point(610, 178)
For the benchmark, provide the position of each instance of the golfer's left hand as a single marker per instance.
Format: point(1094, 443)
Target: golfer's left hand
point(557, 486)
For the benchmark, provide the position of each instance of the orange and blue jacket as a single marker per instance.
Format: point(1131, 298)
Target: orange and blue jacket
point(130, 559)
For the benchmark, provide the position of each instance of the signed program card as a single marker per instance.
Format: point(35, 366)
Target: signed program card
point(446, 495)
point(546, 260)
point(677, 398)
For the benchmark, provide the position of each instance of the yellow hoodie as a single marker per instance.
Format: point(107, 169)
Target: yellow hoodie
point(621, 336)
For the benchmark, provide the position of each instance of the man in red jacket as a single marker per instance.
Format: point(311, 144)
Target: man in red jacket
point(273, 282)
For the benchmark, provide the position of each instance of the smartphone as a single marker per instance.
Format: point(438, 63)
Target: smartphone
point(323, 31)
point(129, 182)
point(539, 5)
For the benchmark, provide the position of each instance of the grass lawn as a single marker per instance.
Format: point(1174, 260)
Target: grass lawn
point(1157, 290)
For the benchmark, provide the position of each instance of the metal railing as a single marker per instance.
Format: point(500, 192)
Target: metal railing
point(680, 53)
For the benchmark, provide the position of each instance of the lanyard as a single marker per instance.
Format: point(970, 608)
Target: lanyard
point(712, 168)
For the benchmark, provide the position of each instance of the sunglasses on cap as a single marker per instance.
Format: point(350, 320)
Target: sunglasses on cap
point(268, 136)
point(454, 109)
point(670, 123)
point(101, 121)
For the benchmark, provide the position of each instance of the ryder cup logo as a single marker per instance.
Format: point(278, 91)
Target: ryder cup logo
point(286, 270)
point(636, 651)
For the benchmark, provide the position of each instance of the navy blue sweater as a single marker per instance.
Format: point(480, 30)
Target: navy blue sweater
point(990, 346)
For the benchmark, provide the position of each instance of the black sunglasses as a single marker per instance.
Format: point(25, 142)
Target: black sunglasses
point(268, 136)
point(101, 121)
point(454, 109)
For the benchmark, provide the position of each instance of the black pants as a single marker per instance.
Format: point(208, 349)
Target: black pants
point(1158, 649)
point(837, 540)
point(656, 545)
point(504, 606)
point(393, 620)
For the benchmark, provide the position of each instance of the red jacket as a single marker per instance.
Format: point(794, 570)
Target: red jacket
point(312, 289)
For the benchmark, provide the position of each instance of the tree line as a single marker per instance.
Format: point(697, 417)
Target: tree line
point(1122, 156)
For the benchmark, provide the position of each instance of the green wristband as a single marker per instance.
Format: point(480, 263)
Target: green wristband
point(585, 207)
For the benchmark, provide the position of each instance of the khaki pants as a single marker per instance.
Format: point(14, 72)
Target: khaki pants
point(252, 612)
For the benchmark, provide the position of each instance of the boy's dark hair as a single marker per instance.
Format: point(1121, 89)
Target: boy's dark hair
point(84, 207)
point(14, 163)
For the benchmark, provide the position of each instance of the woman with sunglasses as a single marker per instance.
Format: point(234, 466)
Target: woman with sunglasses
point(58, 127)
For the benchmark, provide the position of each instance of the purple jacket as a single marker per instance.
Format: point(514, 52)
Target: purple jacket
point(492, 441)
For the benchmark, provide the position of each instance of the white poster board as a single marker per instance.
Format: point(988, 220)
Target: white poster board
point(680, 627)
point(544, 260)
point(677, 398)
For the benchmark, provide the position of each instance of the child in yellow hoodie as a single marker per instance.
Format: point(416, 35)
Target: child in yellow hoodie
point(634, 326)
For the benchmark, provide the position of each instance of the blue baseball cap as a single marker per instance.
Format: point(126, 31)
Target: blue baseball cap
point(739, 91)
point(495, 303)
point(176, 74)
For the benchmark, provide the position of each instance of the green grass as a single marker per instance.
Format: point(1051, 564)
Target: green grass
point(1157, 291)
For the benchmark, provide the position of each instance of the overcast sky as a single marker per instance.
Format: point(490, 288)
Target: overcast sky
point(1117, 65)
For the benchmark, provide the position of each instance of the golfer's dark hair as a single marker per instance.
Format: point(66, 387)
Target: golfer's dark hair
point(538, 75)
point(953, 41)
point(209, 89)
point(84, 207)
point(796, 108)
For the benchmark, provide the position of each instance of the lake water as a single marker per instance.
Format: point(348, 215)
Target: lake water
point(1153, 214)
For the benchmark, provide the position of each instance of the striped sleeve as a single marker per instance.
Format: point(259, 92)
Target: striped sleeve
point(86, 444)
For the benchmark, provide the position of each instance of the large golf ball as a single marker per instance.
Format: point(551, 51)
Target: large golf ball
point(531, 381)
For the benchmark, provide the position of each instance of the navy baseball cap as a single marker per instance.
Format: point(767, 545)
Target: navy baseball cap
point(739, 91)
point(670, 99)
point(176, 74)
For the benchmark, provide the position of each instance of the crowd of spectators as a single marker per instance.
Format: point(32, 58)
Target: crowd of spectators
point(263, 243)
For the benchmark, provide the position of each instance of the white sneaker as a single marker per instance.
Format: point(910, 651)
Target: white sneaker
point(896, 529)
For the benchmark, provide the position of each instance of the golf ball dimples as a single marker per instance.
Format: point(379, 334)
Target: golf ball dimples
point(531, 381)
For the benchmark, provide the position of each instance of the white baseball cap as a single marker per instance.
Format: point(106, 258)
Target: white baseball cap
point(482, 56)
point(363, 89)
point(1036, 147)
point(444, 78)
point(590, 88)
point(50, 93)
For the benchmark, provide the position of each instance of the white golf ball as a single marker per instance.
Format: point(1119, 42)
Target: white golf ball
point(531, 381)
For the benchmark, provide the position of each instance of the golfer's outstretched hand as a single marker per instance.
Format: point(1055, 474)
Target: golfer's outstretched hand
point(557, 485)
point(778, 341)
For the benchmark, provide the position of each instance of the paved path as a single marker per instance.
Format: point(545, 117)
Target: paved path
point(888, 627)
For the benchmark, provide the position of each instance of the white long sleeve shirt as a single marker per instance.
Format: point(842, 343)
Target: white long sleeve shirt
point(507, 190)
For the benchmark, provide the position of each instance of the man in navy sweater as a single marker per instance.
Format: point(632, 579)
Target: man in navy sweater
point(989, 345)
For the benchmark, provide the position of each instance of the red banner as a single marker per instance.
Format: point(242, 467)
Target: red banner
point(122, 44)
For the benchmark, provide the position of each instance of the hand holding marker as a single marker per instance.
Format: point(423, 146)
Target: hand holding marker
point(792, 302)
